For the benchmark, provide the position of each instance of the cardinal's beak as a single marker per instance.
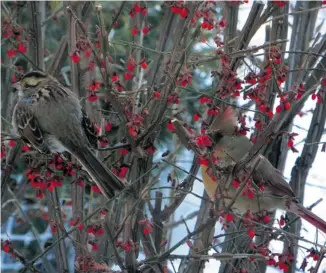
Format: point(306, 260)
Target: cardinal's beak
point(16, 87)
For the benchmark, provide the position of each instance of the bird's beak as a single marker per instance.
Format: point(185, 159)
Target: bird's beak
point(16, 87)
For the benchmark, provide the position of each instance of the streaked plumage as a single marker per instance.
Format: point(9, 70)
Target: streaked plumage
point(49, 116)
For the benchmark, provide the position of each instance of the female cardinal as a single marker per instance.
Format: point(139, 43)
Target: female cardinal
point(277, 193)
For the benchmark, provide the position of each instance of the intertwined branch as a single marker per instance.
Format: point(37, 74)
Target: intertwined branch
point(140, 219)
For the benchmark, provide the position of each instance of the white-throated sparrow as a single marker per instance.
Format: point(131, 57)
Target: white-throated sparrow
point(49, 116)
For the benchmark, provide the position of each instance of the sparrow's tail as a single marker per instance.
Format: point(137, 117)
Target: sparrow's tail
point(104, 178)
point(309, 216)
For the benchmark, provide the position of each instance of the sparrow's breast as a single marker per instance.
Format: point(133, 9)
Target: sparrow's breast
point(54, 145)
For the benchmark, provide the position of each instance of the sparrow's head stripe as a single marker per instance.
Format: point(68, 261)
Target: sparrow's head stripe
point(36, 74)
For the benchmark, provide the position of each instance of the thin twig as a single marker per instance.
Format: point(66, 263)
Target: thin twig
point(34, 231)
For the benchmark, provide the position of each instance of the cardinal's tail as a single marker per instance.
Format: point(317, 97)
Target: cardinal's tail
point(309, 216)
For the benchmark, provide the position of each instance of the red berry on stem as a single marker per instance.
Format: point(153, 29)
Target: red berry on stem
point(251, 233)
point(137, 8)
point(282, 221)
point(170, 126)
point(75, 57)
point(145, 30)
point(229, 217)
point(144, 65)
point(270, 114)
point(278, 109)
point(267, 219)
point(222, 23)
point(115, 77)
point(287, 105)
point(236, 184)
point(184, 13)
point(196, 117)
point(157, 94)
point(263, 108)
point(22, 48)
point(12, 143)
point(290, 143)
point(134, 31)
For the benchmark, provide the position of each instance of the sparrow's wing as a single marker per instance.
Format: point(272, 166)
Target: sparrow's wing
point(89, 129)
point(28, 126)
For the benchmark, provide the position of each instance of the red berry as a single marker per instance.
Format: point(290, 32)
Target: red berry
point(6, 249)
point(12, 143)
point(170, 126)
point(128, 76)
point(250, 194)
point(75, 57)
point(266, 219)
point(95, 188)
point(282, 98)
point(323, 82)
point(229, 217)
point(53, 226)
point(88, 53)
point(290, 143)
point(134, 31)
point(184, 13)
point(145, 30)
point(108, 127)
point(313, 96)
point(316, 257)
point(95, 247)
point(278, 109)
point(137, 8)
point(92, 97)
point(115, 77)
point(196, 117)
point(204, 25)
point(175, 9)
point(91, 65)
point(131, 67)
point(236, 184)
point(287, 105)
point(14, 78)
point(251, 233)
point(203, 161)
point(132, 132)
point(124, 151)
point(222, 23)
point(270, 114)
point(282, 221)
point(22, 48)
point(144, 65)
point(263, 108)
point(157, 94)
point(11, 52)
point(25, 148)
